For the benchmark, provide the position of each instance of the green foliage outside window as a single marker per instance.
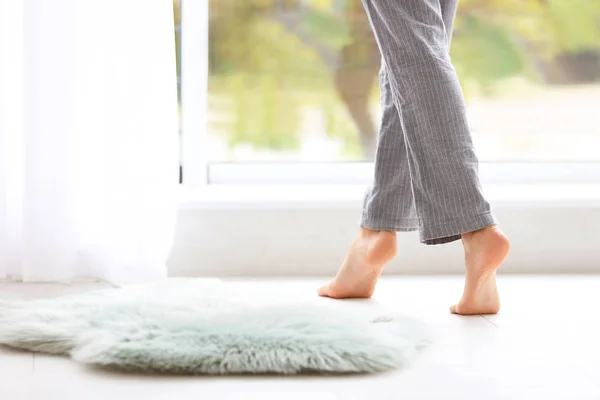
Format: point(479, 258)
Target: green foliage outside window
point(271, 58)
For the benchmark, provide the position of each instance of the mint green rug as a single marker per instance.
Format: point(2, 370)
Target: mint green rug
point(194, 326)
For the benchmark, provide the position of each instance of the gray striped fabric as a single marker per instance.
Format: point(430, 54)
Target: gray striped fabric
point(426, 170)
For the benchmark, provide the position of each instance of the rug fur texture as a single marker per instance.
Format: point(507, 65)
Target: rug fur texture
point(194, 326)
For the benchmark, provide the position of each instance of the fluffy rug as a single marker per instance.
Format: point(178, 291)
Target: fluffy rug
point(191, 326)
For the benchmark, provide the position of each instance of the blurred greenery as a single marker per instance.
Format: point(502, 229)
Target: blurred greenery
point(268, 59)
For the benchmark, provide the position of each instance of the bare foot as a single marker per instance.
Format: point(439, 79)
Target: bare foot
point(357, 277)
point(485, 250)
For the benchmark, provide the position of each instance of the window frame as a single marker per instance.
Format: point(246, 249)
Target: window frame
point(194, 91)
point(199, 172)
point(346, 173)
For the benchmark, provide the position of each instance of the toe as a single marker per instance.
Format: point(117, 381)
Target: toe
point(453, 309)
point(323, 291)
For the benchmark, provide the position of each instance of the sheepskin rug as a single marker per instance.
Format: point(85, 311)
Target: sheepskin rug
point(195, 326)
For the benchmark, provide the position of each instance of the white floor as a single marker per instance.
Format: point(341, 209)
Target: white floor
point(543, 345)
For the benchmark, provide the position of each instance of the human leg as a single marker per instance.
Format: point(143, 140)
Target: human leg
point(440, 165)
point(388, 202)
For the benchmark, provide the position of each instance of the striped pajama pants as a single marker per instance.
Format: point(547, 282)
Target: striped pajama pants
point(426, 169)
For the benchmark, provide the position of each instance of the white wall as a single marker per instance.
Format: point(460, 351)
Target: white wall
point(548, 238)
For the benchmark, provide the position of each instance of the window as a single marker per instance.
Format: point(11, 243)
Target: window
point(294, 82)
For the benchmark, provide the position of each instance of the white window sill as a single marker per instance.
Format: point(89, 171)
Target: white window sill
point(553, 228)
point(350, 196)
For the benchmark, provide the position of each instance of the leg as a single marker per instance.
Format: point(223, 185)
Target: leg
point(413, 37)
point(443, 165)
point(389, 205)
point(485, 249)
point(414, 43)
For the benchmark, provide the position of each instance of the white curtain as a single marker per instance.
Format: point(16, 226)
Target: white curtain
point(88, 139)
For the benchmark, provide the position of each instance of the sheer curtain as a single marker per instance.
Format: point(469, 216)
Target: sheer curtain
point(88, 139)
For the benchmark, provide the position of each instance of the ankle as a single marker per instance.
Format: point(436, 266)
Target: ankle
point(380, 246)
point(369, 233)
point(470, 236)
point(489, 238)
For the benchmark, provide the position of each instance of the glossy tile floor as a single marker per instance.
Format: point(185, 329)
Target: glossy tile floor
point(543, 345)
